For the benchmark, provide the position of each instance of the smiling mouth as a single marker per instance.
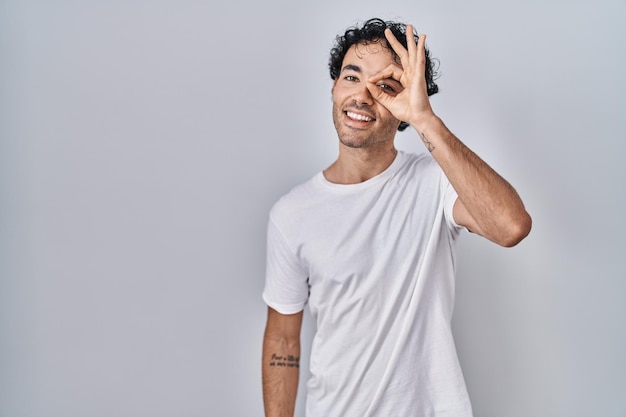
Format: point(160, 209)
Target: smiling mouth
point(359, 117)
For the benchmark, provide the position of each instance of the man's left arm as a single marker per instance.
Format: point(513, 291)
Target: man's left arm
point(487, 203)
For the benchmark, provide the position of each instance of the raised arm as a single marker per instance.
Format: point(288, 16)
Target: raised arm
point(487, 203)
point(281, 363)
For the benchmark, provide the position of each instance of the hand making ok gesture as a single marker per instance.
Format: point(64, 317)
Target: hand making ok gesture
point(411, 105)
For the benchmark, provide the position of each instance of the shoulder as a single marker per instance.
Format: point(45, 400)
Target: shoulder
point(295, 200)
point(419, 165)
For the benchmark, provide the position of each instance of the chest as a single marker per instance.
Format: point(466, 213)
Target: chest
point(368, 235)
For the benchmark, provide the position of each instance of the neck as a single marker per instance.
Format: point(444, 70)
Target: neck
point(356, 165)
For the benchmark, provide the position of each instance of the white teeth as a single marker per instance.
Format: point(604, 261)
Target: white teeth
point(359, 117)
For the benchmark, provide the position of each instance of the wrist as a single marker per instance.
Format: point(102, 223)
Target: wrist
point(427, 123)
point(434, 133)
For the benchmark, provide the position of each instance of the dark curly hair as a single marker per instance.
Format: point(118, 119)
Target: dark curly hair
point(373, 30)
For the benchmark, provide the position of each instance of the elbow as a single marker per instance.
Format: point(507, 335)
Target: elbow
point(517, 230)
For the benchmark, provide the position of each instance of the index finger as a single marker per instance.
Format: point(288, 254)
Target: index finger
point(392, 72)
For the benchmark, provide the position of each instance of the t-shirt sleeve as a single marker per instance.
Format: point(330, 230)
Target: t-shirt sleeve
point(286, 280)
point(449, 198)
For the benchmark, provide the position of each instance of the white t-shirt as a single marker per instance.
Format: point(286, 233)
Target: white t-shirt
point(375, 262)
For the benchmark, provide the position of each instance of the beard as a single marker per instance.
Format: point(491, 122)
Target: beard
point(382, 131)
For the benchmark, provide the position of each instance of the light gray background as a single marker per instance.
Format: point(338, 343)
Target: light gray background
point(143, 143)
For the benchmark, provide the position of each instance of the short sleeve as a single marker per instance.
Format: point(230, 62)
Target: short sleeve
point(286, 280)
point(449, 198)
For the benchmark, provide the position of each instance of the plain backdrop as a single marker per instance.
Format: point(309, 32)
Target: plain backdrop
point(142, 144)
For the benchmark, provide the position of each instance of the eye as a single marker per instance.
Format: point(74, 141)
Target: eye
point(387, 87)
point(351, 78)
point(390, 86)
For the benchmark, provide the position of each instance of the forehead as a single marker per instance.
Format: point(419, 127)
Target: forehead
point(365, 54)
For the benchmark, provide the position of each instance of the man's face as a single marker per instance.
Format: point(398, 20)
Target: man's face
point(360, 121)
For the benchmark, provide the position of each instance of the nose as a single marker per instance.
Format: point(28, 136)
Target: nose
point(362, 96)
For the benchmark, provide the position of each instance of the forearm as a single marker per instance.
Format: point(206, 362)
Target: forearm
point(281, 363)
point(489, 199)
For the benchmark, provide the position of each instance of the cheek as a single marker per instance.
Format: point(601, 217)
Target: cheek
point(336, 111)
point(334, 95)
point(382, 110)
point(341, 92)
point(337, 103)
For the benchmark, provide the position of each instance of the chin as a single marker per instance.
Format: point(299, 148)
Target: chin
point(354, 143)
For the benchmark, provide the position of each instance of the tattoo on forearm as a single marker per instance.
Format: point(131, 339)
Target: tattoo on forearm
point(429, 145)
point(288, 361)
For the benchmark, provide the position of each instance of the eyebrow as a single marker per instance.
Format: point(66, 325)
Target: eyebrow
point(351, 67)
point(357, 69)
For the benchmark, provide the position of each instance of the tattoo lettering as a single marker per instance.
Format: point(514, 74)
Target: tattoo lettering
point(288, 361)
point(429, 145)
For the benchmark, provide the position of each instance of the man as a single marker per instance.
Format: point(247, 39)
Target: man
point(369, 244)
